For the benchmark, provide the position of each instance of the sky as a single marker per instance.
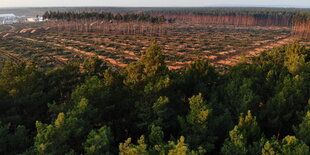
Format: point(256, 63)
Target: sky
point(155, 3)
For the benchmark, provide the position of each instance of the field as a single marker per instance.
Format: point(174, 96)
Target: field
point(223, 45)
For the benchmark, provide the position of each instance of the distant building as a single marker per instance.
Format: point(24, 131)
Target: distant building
point(41, 19)
point(5, 22)
point(31, 19)
point(35, 19)
point(8, 19)
point(7, 16)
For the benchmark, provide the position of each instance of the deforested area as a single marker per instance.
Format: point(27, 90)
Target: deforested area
point(150, 80)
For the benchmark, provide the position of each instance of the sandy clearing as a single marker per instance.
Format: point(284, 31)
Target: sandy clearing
point(128, 54)
point(256, 51)
point(109, 60)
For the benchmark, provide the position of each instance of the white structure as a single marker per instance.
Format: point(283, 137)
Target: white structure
point(36, 19)
point(8, 19)
point(4, 22)
point(7, 16)
point(31, 19)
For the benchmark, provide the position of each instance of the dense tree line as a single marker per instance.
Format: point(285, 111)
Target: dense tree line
point(301, 25)
point(235, 16)
point(261, 107)
point(69, 16)
point(232, 15)
point(235, 19)
point(298, 19)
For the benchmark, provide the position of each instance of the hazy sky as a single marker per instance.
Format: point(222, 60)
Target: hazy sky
point(34, 3)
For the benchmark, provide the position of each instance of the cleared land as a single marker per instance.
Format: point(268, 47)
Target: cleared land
point(222, 45)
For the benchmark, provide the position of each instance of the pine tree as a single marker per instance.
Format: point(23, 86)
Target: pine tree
point(99, 142)
point(13, 142)
point(66, 133)
point(150, 71)
point(196, 124)
point(303, 130)
point(289, 145)
point(130, 149)
point(156, 136)
point(199, 77)
point(242, 136)
point(295, 60)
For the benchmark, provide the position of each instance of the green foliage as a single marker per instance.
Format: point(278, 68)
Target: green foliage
point(242, 136)
point(13, 142)
point(99, 142)
point(94, 66)
point(239, 94)
point(147, 79)
point(289, 145)
point(65, 134)
point(281, 108)
point(22, 95)
point(196, 124)
point(79, 107)
point(294, 60)
point(303, 130)
point(181, 148)
point(199, 113)
point(61, 82)
point(92, 89)
point(199, 77)
point(156, 136)
point(128, 17)
point(130, 149)
point(150, 71)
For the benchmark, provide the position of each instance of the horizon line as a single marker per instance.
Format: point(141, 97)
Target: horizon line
point(211, 6)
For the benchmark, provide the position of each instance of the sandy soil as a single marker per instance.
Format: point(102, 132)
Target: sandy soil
point(232, 60)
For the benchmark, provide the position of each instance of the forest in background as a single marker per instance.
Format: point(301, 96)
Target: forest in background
point(256, 107)
point(297, 19)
